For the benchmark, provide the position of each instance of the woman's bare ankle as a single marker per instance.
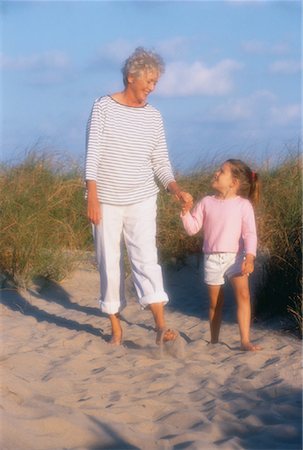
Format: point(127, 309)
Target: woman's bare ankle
point(116, 339)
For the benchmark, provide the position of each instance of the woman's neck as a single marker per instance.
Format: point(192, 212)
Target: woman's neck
point(127, 99)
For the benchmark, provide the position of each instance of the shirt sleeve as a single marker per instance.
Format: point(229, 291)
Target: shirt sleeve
point(160, 160)
point(93, 141)
point(249, 231)
point(193, 221)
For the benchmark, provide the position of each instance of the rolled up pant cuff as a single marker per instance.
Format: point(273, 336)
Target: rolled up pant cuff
point(111, 308)
point(156, 297)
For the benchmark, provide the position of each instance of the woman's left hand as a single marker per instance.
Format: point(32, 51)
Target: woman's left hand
point(186, 199)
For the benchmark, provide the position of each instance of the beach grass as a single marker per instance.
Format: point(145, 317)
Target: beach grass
point(44, 227)
point(279, 289)
point(42, 218)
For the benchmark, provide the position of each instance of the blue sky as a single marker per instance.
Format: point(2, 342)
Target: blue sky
point(232, 85)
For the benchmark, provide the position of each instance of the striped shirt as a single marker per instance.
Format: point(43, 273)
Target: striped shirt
point(125, 150)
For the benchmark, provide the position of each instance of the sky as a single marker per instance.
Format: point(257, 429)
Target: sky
point(231, 88)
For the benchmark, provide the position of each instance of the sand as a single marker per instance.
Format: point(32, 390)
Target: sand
point(64, 387)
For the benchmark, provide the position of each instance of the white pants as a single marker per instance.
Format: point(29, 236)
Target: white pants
point(137, 225)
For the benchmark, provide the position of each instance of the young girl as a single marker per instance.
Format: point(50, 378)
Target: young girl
point(230, 241)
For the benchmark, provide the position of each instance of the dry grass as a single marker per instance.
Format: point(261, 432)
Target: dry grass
point(280, 235)
point(42, 216)
point(43, 222)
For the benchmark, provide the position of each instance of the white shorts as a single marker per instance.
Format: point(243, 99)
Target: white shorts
point(218, 266)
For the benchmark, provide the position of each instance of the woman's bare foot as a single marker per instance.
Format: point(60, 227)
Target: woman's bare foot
point(116, 340)
point(249, 347)
point(165, 335)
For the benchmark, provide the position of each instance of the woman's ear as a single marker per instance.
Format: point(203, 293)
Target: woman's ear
point(130, 79)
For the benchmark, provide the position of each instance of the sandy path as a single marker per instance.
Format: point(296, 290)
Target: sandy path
point(64, 387)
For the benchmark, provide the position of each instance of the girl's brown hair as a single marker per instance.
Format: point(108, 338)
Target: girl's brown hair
point(249, 183)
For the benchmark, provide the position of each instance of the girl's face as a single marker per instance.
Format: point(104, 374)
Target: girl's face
point(223, 181)
point(143, 85)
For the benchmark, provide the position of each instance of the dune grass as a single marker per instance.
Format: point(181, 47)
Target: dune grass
point(279, 289)
point(44, 227)
point(42, 218)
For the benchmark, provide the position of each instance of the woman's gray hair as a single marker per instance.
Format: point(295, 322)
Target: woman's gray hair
point(142, 60)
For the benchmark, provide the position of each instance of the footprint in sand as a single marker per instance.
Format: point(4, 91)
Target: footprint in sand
point(175, 348)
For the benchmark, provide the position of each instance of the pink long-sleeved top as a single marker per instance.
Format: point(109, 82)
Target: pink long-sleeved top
point(228, 225)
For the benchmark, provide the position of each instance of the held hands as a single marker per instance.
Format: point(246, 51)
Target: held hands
point(186, 201)
point(184, 197)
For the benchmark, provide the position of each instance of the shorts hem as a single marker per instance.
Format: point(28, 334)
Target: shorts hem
point(214, 284)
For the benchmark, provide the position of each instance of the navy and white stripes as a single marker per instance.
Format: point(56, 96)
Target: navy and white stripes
point(125, 150)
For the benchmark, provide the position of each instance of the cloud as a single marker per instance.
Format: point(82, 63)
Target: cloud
point(284, 115)
point(171, 47)
point(35, 62)
point(41, 69)
point(287, 67)
point(113, 54)
point(263, 48)
point(257, 109)
point(244, 108)
point(181, 79)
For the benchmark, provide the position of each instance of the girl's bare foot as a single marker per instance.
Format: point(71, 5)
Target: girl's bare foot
point(249, 347)
point(165, 335)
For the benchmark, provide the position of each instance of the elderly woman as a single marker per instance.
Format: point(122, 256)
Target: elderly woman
point(126, 150)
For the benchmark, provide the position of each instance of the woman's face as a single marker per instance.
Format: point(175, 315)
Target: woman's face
point(143, 85)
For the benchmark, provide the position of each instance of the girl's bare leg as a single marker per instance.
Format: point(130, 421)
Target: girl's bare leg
point(116, 338)
point(241, 289)
point(216, 300)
